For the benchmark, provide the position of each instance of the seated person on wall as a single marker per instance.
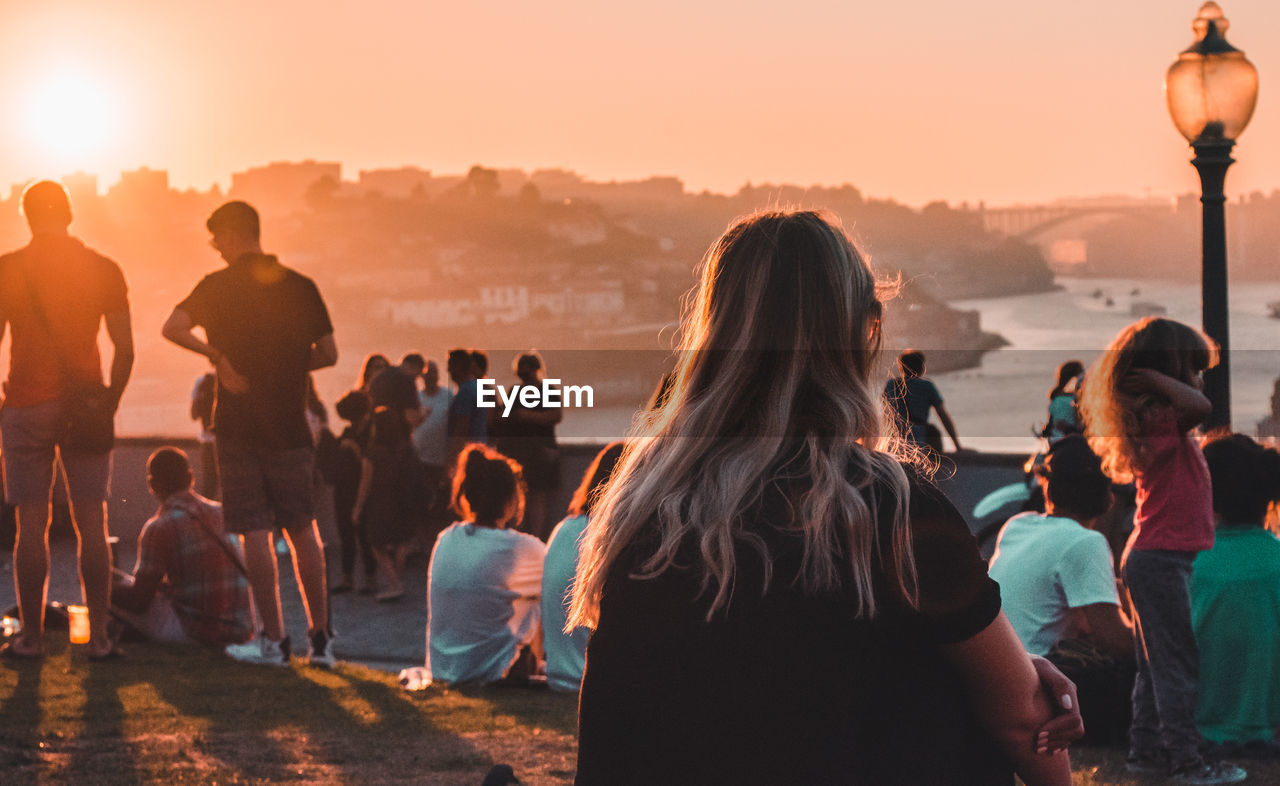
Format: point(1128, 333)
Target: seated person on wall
point(483, 617)
point(188, 583)
point(1235, 595)
point(1058, 585)
point(567, 652)
point(912, 397)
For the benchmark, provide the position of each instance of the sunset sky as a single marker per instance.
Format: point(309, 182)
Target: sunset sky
point(997, 100)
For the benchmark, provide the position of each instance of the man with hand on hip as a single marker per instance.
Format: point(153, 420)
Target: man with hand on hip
point(266, 328)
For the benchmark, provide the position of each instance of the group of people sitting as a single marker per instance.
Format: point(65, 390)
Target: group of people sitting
point(1181, 654)
point(1058, 579)
point(497, 595)
point(393, 460)
point(776, 591)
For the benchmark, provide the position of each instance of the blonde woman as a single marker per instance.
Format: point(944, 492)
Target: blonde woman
point(776, 598)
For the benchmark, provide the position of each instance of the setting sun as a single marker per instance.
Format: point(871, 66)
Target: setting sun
point(70, 115)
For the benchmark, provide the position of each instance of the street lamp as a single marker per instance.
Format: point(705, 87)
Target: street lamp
point(1211, 90)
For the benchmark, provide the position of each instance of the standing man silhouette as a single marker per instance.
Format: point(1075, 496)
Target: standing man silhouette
point(266, 328)
point(54, 294)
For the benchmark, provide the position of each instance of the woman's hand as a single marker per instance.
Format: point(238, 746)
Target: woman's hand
point(1066, 726)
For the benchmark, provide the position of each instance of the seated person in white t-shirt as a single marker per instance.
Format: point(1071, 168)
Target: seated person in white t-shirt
point(567, 652)
point(485, 579)
point(1058, 588)
point(1056, 574)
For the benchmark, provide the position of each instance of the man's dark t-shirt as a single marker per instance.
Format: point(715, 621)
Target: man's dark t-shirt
point(265, 318)
point(784, 687)
point(912, 398)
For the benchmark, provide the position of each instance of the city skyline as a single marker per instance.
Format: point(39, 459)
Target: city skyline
point(995, 102)
point(398, 180)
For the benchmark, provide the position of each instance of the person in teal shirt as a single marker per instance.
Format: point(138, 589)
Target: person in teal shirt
point(1235, 597)
point(567, 652)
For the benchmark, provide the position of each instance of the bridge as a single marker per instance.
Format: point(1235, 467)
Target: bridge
point(1028, 222)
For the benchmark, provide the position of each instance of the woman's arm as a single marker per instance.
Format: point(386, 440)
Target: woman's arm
point(1067, 725)
point(1006, 695)
point(1108, 625)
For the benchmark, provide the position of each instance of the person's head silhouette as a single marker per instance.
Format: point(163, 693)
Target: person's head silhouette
point(235, 230)
point(46, 207)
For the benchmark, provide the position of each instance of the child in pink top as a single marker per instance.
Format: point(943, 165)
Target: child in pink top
point(1141, 403)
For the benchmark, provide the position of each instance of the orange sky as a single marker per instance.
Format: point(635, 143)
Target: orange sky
point(999, 100)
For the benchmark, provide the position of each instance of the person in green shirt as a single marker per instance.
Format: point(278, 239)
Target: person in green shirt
point(1235, 594)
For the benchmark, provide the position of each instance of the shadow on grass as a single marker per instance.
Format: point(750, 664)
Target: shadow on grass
point(104, 744)
point(263, 722)
point(168, 714)
point(20, 749)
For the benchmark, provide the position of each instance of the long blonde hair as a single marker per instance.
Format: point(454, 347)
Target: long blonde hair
point(777, 349)
point(1112, 411)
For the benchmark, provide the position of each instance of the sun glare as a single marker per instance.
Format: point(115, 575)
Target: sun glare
point(69, 116)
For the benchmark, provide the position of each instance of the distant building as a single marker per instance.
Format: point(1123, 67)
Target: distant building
point(400, 183)
point(281, 186)
point(82, 187)
point(586, 231)
point(141, 186)
point(599, 303)
point(510, 181)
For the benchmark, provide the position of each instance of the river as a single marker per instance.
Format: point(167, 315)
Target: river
point(995, 405)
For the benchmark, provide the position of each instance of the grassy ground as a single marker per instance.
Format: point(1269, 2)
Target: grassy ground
point(195, 717)
point(1105, 767)
point(199, 718)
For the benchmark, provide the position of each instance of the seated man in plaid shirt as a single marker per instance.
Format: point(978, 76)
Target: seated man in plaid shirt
point(189, 583)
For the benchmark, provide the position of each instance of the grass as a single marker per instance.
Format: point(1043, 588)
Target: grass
point(1105, 767)
point(186, 715)
point(192, 716)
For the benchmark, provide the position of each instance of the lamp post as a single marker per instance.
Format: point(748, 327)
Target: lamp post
point(1211, 90)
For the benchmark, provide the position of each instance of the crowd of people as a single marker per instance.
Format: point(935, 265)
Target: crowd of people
point(761, 584)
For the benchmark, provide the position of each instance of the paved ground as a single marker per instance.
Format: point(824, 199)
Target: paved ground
point(392, 636)
point(388, 636)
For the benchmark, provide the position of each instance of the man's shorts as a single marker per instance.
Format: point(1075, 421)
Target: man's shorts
point(28, 436)
point(264, 488)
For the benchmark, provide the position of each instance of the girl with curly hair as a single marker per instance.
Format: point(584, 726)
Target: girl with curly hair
point(1141, 403)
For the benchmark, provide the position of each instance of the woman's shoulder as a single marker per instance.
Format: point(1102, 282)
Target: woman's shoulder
point(925, 500)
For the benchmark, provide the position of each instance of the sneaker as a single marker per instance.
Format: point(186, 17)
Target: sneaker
point(261, 649)
point(320, 649)
point(1205, 773)
point(1149, 764)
